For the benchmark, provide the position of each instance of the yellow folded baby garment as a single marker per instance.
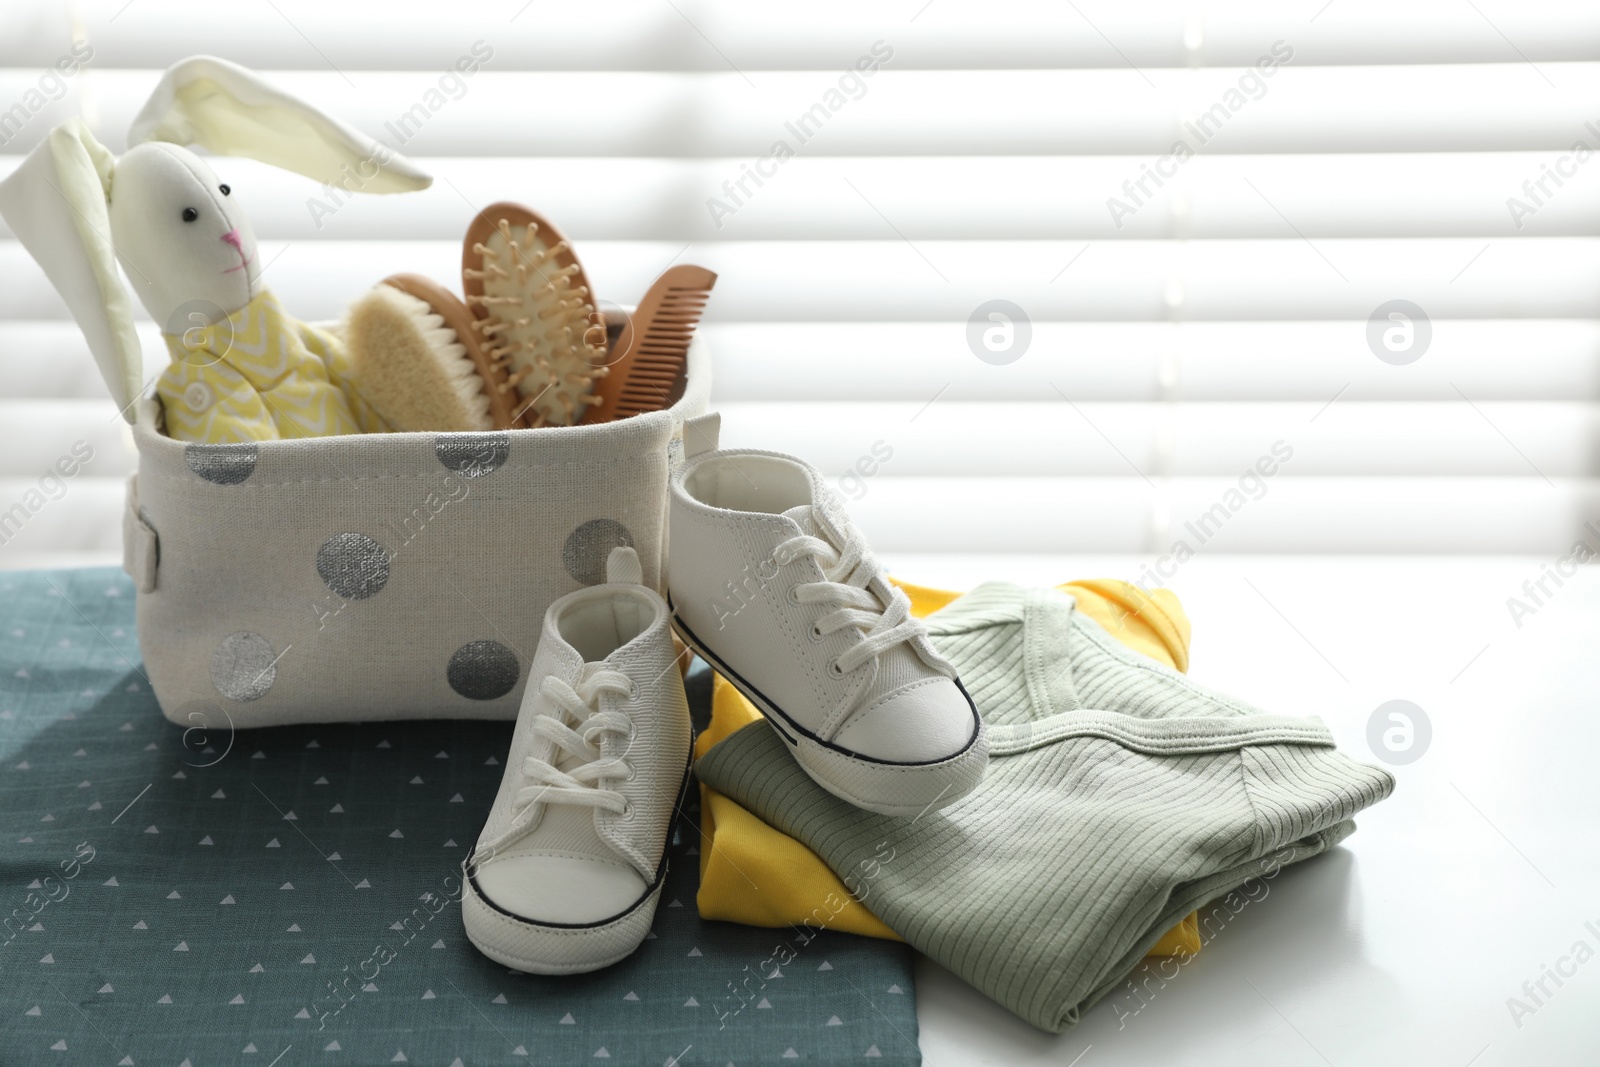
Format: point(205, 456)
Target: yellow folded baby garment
point(260, 375)
point(753, 874)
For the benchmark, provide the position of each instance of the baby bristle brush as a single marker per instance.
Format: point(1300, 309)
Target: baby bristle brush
point(535, 313)
point(414, 350)
point(649, 362)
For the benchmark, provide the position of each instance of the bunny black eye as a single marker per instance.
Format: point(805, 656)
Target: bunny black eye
point(190, 214)
point(225, 189)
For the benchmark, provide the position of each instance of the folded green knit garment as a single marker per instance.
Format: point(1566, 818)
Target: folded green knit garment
point(1120, 796)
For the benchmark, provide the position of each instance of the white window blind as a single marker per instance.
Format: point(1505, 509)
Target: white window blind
point(1335, 157)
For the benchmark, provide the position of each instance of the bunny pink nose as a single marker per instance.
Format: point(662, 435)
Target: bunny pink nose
point(233, 238)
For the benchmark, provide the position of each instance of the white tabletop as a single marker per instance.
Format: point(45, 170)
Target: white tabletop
point(1404, 944)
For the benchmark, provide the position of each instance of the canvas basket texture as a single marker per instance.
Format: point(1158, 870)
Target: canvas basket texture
point(381, 576)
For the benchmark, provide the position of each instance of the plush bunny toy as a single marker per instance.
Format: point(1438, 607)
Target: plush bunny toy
point(241, 368)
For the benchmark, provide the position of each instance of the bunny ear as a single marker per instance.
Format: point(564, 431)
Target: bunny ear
point(228, 110)
point(55, 204)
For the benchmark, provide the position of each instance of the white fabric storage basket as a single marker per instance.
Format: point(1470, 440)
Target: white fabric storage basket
point(381, 576)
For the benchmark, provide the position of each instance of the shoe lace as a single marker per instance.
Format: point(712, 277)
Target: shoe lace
point(580, 784)
point(849, 573)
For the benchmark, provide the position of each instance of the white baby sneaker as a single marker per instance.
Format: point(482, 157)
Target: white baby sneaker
point(773, 586)
point(568, 870)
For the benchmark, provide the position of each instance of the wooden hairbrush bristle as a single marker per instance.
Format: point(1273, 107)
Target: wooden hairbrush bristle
point(649, 363)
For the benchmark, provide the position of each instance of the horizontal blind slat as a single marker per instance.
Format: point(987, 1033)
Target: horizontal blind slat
point(1087, 438)
point(792, 281)
point(1463, 108)
point(1078, 515)
point(361, 35)
point(854, 441)
point(1154, 441)
point(1297, 515)
point(85, 517)
point(952, 198)
point(1534, 359)
point(84, 436)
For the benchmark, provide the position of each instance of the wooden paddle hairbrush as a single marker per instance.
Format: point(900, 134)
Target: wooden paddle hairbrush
point(648, 365)
point(535, 313)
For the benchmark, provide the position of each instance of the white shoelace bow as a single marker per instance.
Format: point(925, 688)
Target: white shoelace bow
point(849, 571)
point(581, 785)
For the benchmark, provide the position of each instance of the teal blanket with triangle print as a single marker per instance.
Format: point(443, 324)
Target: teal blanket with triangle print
point(188, 894)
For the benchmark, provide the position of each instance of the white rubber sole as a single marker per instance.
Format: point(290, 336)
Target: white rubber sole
point(898, 789)
point(539, 948)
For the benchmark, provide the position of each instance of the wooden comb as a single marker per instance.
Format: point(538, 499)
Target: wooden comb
point(649, 363)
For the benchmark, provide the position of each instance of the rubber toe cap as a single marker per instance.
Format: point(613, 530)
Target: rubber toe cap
point(564, 890)
point(920, 723)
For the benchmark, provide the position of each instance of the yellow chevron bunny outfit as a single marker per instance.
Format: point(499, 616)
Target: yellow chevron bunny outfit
point(260, 375)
